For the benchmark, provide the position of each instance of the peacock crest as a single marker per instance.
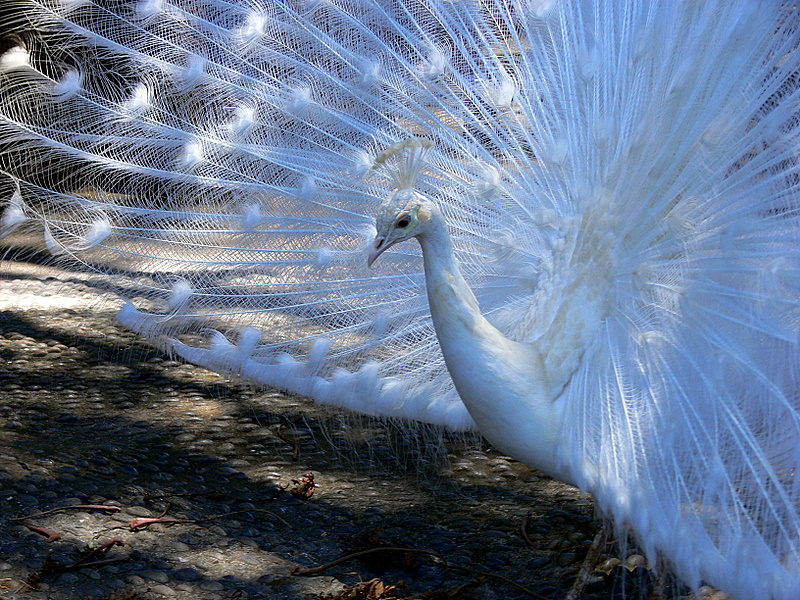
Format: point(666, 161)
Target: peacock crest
point(404, 161)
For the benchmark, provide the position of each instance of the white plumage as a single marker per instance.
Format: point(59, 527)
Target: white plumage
point(607, 196)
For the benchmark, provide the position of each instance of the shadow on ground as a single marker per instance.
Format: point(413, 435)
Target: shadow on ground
point(91, 415)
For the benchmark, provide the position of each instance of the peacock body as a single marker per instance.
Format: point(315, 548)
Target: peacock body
point(606, 198)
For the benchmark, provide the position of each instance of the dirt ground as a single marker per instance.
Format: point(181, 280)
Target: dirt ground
point(169, 481)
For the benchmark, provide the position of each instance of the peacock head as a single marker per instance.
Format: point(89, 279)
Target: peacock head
point(403, 215)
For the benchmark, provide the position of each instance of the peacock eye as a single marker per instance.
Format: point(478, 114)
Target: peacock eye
point(403, 222)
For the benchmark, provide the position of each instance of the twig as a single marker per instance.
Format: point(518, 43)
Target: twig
point(25, 584)
point(238, 512)
point(289, 440)
point(51, 534)
point(51, 567)
point(142, 522)
point(115, 541)
point(213, 493)
point(184, 495)
point(583, 577)
point(71, 506)
point(524, 531)
point(506, 580)
point(98, 563)
point(314, 570)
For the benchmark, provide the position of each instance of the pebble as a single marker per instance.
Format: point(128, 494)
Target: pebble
point(139, 511)
point(26, 499)
point(211, 586)
point(567, 559)
point(180, 547)
point(158, 576)
point(162, 589)
point(187, 574)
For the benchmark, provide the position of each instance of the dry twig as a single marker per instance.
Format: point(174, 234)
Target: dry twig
point(103, 507)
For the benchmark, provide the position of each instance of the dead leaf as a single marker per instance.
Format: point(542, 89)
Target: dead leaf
point(303, 488)
point(374, 589)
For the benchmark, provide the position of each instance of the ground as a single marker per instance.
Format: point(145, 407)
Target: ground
point(175, 482)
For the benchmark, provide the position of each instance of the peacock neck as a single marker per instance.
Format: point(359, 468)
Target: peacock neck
point(502, 382)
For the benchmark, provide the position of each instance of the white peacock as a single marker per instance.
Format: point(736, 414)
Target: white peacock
point(606, 198)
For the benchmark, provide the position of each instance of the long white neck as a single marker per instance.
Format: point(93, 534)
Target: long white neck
point(502, 383)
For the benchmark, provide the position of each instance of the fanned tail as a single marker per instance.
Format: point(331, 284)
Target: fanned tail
point(621, 181)
point(682, 412)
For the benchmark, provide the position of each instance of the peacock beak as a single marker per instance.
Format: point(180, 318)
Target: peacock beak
point(378, 247)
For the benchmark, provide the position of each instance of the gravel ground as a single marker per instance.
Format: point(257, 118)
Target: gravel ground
point(91, 415)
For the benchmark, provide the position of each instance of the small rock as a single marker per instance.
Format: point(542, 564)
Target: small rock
point(212, 586)
point(248, 542)
point(162, 589)
point(180, 547)
point(68, 578)
point(158, 576)
point(187, 574)
point(567, 559)
point(139, 511)
point(537, 562)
